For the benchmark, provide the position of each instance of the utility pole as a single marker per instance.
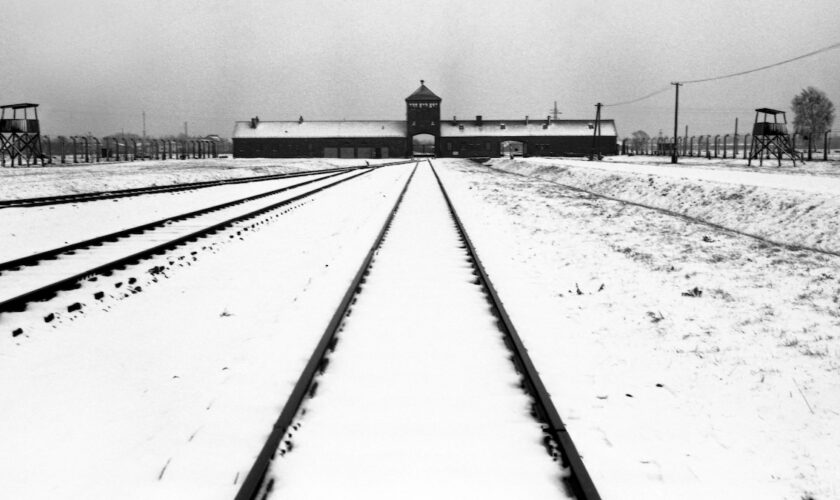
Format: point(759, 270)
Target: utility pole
point(677, 86)
point(555, 112)
point(144, 127)
point(186, 132)
point(735, 143)
point(596, 134)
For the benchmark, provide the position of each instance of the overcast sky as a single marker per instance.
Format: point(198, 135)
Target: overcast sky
point(95, 65)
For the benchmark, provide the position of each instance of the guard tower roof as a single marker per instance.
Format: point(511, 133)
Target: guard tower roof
point(19, 105)
point(769, 111)
point(423, 94)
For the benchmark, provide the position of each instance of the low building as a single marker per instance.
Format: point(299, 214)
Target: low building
point(422, 133)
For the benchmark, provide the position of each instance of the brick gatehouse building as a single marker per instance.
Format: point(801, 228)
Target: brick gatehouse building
point(421, 133)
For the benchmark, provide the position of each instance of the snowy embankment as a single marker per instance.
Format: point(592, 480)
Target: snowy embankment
point(777, 205)
point(31, 182)
point(687, 362)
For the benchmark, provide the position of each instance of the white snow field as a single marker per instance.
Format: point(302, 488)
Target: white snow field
point(420, 398)
point(78, 262)
point(167, 387)
point(20, 182)
point(792, 205)
point(688, 362)
point(29, 230)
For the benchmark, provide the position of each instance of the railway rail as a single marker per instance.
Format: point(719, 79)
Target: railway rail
point(124, 193)
point(259, 482)
point(40, 276)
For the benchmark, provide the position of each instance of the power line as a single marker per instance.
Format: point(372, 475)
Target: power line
point(803, 56)
point(664, 89)
point(730, 75)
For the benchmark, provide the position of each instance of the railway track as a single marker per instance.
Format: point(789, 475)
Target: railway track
point(447, 406)
point(124, 193)
point(40, 276)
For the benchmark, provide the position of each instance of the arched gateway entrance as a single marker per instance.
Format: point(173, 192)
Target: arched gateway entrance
point(423, 145)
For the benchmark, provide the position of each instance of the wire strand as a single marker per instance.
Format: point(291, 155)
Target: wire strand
point(730, 75)
point(639, 99)
point(803, 56)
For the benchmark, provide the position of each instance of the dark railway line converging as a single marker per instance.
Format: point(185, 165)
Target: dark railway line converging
point(40, 276)
point(125, 193)
point(259, 482)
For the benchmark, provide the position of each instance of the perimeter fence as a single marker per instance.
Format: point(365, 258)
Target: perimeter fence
point(89, 149)
point(732, 146)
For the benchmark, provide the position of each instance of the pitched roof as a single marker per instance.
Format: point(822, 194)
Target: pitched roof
point(423, 94)
point(320, 129)
point(19, 106)
point(519, 128)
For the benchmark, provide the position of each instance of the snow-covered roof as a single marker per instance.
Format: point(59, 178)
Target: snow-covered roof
point(315, 129)
point(519, 128)
point(397, 129)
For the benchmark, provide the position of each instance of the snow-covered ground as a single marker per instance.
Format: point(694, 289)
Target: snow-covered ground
point(782, 206)
point(32, 182)
point(688, 362)
point(815, 167)
point(29, 230)
point(167, 387)
point(420, 399)
point(80, 261)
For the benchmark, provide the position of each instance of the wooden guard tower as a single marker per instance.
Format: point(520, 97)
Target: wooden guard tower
point(20, 136)
point(771, 137)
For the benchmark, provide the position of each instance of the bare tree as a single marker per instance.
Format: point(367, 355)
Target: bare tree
point(813, 114)
point(638, 139)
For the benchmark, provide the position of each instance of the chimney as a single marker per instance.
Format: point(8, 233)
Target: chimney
point(478, 120)
point(253, 123)
point(454, 120)
point(526, 120)
point(300, 120)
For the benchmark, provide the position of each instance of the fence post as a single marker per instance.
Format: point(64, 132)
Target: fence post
point(825, 145)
